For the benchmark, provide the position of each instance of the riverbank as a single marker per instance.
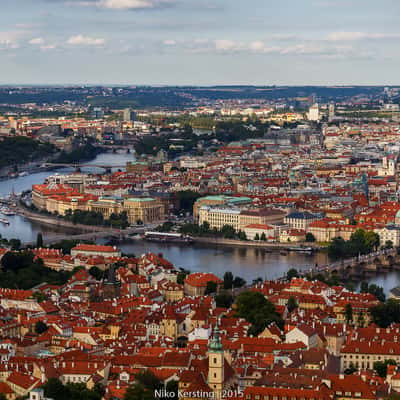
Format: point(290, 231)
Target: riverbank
point(59, 222)
point(258, 244)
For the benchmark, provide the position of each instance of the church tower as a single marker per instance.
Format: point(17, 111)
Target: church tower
point(216, 361)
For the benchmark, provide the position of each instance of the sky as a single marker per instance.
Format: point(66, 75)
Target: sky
point(200, 42)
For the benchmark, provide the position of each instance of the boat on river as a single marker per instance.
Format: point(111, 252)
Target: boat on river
point(7, 211)
point(4, 221)
point(301, 249)
point(167, 237)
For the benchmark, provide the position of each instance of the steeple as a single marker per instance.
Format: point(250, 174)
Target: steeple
point(216, 363)
point(215, 344)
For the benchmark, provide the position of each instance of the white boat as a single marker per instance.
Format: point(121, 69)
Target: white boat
point(4, 221)
point(7, 211)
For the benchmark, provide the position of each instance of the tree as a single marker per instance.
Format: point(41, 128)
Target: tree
point(148, 380)
point(228, 280)
point(337, 248)
point(40, 327)
point(228, 232)
point(15, 244)
point(364, 287)
point(377, 291)
point(393, 396)
point(388, 244)
point(256, 309)
point(348, 313)
point(39, 296)
point(263, 237)
point(238, 282)
point(172, 387)
point(351, 369)
point(39, 240)
point(372, 240)
point(310, 237)
point(257, 236)
point(242, 235)
point(381, 367)
point(385, 314)
point(138, 392)
point(211, 287)
point(180, 279)
point(292, 273)
point(54, 389)
point(224, 299)
point(186, 199)
point(96, 272)
point(291, 304)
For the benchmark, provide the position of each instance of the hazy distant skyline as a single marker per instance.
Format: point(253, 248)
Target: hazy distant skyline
point(200, 42)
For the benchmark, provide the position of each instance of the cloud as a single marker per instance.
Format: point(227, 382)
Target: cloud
point(122, 4)
point(37, 40)
point(47, 47)
point(81, 40)
point(321, 49)
point(354, 36)
point(169, 42)
point(228, 45)
point(9, 40)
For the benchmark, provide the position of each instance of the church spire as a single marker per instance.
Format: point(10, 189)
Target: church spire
point(215, 344)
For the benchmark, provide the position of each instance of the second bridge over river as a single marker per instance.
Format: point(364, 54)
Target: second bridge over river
point(358, 268)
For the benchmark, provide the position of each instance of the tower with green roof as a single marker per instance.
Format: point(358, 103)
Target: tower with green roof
point(216, 363)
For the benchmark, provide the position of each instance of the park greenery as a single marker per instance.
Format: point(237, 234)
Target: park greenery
point(20, 270)
point(224, 299)
point(13, 244)
point(184, 140)
point(21, 150)
point(145, 386)
point(226, 232)
point(376, 290)
point(232, 282)
point(381, 367)
point(256, 309)
point(82, 153)
point(360, 242)
point(97, 219)
point(56, 390)
point(186, 199)
point(385, 314)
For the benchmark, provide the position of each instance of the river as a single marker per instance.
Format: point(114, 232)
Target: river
point(249, 263)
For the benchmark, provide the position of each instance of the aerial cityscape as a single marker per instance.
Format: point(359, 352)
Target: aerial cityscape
point(199, 199)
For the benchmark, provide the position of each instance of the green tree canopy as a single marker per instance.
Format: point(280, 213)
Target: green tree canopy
point(256, 309)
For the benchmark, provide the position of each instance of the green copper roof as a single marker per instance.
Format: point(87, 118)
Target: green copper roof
point(215, 344)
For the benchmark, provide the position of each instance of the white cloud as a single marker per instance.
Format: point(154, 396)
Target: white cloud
point(126, 4)
point(322, 49)
point(228, 45)
point(47, 47)
point(257, 46)
point(9, 40)
point(353, 36)
point(169, 42)
point(81, 40)
point(37, 40)
point(121, 4)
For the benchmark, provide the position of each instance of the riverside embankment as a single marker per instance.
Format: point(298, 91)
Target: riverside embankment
point(257, 244)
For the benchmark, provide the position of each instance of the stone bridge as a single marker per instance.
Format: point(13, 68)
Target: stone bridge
point(359, 267)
